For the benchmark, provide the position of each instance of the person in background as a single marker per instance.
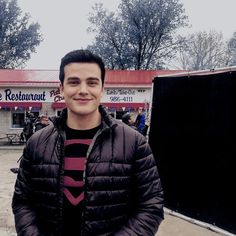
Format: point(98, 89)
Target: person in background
point(41, 123)
point(88, 173)
point(146, 127)
point(28, 128)
point(128, 118)
point(140, 121)
point(26, 133)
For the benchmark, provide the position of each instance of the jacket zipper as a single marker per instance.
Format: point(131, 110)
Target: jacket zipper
point(61, 179)
point(84, 175)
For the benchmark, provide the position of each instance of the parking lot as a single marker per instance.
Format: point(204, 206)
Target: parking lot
point(171, 226)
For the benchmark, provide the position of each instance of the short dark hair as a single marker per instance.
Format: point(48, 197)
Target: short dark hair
point(82, 56)
point(126, 118)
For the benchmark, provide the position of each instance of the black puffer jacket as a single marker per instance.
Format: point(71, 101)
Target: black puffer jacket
point(123, 194)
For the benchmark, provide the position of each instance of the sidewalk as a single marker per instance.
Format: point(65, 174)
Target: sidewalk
point(173, 225)
point(179, 225)
point(12, 147)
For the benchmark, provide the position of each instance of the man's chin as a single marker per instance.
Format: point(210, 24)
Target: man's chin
point(83, 112)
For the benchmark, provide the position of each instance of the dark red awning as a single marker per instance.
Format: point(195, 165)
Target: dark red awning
point(58, 105)
point(61, 105)
point(20, 104)
point(126, 105)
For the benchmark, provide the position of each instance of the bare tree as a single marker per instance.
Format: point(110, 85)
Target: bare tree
point(231, 51)
point(141, 35)
point(202, 50)
point(18, 38)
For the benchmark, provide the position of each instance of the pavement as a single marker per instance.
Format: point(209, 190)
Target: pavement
point(174, 224)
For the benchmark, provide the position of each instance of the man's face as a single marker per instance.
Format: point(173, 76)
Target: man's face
point(132, 119)
point(82, 88)
point(45, 121)
point(140, 110)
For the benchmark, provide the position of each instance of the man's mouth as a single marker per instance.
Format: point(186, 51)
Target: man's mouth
point(82, 99)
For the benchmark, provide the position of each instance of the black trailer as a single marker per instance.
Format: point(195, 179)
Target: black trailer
point(193, 136)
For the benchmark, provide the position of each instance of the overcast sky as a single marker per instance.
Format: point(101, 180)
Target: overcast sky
point(64, 24)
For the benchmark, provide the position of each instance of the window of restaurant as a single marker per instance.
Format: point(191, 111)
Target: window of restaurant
point(58, 112)
point(19, 117)
point(119, 114)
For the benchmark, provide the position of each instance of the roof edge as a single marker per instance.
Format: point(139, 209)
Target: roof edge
point(200, 72)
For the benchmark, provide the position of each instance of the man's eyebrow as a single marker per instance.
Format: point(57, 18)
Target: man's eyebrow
point(93, 78)
point(73, 78)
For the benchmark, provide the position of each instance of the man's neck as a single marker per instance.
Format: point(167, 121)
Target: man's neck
point(83, 122)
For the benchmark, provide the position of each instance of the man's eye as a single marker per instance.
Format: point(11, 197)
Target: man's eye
point(92, 82)
point(73, 82)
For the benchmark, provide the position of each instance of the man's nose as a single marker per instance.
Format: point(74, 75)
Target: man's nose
point(83, 88)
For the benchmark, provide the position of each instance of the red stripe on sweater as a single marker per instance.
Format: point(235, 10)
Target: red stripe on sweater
point(78, 141)
point(70, 182)
point(74, 163)
point(73, 200)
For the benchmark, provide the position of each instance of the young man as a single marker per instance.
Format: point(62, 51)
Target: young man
point(87, 174)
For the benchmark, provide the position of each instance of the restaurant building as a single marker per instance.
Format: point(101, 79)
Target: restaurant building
point(37, 92)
